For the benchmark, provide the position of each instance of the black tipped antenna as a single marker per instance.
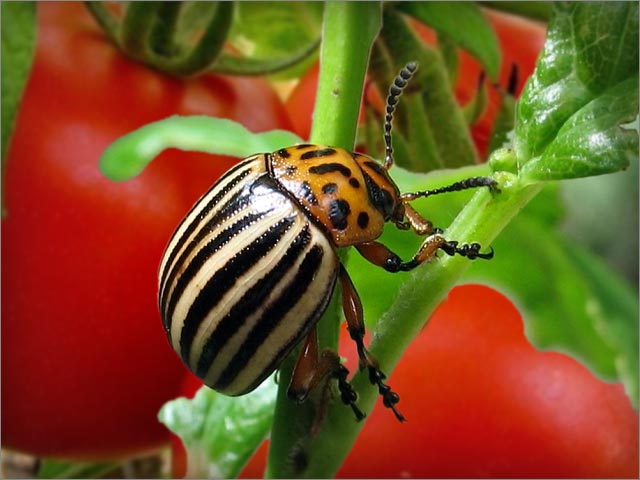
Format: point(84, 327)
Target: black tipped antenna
point(392, 99)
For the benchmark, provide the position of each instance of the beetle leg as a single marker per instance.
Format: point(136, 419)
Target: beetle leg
point(352, 307)
point(417, 222)
point(380, 255)
point(312, 367)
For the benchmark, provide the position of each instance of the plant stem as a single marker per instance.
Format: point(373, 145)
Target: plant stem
point(348, 32)
point(349, 29)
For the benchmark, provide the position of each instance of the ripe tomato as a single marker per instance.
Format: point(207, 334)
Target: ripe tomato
point(482, 402)
point(520, 41)
point(85, 364)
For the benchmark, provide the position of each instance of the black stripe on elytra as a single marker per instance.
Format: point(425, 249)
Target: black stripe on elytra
point(303, 145)
point(307, 325)
point(317, 153)
point(271, 318)
point(330, 168)
point(251, 301)
point(225, 279)
point(171, 297)
point(205, 211)
point(339, 210)
point(238, 201)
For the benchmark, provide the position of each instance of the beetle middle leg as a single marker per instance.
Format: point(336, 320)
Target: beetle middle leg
point(379, 254)
point(352, 307)
point(312, 367)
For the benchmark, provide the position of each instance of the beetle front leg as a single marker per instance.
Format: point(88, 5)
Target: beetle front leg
point(380, 255)
point(352, 307)
point(311, 368)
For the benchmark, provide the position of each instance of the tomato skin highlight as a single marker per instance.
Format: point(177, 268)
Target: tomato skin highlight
point(85, 363)
point(482, 402)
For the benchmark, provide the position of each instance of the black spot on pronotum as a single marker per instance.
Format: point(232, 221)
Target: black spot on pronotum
point(354, 182)
point(330, 168)
point(363, 220)
point(290, 170)
point(317, 153)
point(338, 211)
point(329, 188)
point(284, 153)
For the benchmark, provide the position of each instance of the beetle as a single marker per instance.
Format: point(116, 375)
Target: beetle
point(253, 265)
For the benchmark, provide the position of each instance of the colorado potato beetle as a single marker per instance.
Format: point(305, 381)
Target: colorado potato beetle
point(252, 267)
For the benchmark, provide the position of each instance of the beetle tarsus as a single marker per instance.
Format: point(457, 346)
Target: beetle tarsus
point(389, 397)
point(471, 251)
point(347, 394)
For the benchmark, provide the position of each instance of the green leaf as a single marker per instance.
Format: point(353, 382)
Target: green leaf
point(591, 48)
point(465, 24)
point(612, 306)
point(129, 155)
point(18, 45)
point(51, 468)
point(592, 141)
point(278, 31)
point(220, 433)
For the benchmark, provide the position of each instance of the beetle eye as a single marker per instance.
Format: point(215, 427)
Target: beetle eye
point(386, 203)
point(381, 198)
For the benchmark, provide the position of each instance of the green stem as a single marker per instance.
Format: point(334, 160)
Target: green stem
point(232, 65)
point(208, 48)
point(105, 19)
point(163, 31)
point(349, 29)
point(136, 26)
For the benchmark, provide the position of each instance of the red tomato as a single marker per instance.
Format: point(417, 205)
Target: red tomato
point(520, 41)
point(85, 364)
point(482, 402)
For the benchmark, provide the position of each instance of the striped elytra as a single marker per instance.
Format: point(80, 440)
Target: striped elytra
point(253, 265)
point(243, 280)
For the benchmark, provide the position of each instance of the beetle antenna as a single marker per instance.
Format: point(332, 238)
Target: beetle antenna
point(392, 99)
point(465, 184)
